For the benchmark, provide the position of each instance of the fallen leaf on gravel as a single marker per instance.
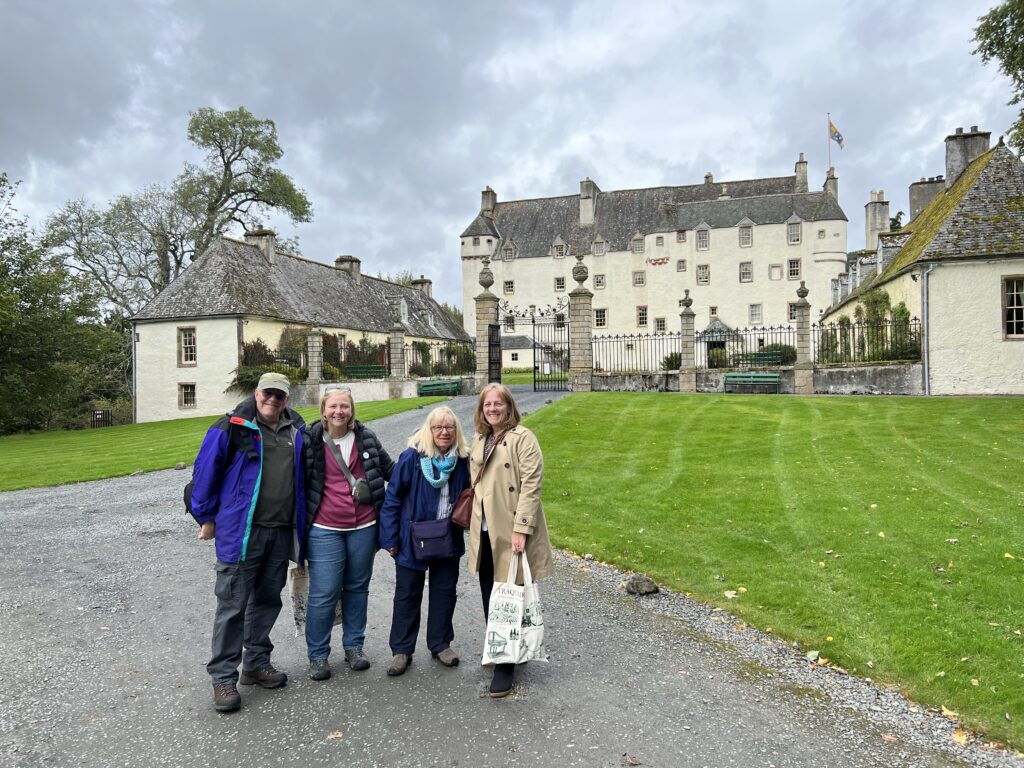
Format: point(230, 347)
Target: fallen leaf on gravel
point(959, 737)
point(949, 713)
point(628, 759)
point(812, 655)
point(888, 737)
point(335, 735)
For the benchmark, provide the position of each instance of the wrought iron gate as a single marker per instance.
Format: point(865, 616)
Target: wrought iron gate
point(550, 354)
point(493, 354)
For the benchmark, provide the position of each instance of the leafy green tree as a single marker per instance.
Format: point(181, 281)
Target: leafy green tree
point(1000, 38)
point(55, 353)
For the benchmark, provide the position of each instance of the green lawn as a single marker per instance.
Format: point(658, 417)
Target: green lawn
point(54, 458)
point(884, 533)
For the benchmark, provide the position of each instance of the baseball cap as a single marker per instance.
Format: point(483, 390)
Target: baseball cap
point(276, 381)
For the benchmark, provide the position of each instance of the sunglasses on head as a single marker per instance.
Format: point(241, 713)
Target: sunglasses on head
point(337, 388)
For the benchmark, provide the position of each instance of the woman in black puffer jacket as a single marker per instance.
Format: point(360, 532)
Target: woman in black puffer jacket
point(346, 468)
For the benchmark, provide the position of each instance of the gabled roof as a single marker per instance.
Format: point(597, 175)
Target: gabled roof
point(517, 341)
point(234, 279)
point(619, 215)
point(980, 216)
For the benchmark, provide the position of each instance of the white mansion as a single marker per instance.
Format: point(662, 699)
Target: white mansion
point(740, 247)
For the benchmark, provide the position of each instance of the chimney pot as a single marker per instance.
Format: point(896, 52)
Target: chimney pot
point(974, 129)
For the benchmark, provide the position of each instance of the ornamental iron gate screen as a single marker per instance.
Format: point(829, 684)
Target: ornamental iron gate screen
point(493, 354)
point(550, 354)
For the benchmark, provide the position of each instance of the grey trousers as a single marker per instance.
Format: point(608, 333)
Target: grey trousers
point(248, 603)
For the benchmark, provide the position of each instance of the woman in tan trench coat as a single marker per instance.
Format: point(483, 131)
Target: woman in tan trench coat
point(507, 514)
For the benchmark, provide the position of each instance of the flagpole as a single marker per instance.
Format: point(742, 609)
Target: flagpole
point(828, 133)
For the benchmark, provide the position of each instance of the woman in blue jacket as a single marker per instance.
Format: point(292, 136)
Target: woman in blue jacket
point(428, 478)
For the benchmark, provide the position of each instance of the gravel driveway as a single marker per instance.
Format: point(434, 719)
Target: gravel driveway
point(105, 614)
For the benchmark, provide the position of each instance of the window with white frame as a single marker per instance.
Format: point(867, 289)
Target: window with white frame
point(755, 314)
point(746, 271)
point(599, 248)
point(703, 274)
point(703, 239)
point(659, 240)
point(515, 357)
point(793, 233)
point(559, 251)
point(560, 320)
point(659, 324)
point(509, 286)
point(793, 269)
point(639, 278)
point(680, 265)
point(509, 253)
point(1013, 307)
point(641, 316)
point(600, 318)
point(187, 395)
point(791, 312)
point(680, 235)
point(187, 356)
point(510, 322)
point(476, 241)
point(637, 245)
point(774, 271)
point(559, 283)
point(713, 311)
point(746, 236)
point(599, 282)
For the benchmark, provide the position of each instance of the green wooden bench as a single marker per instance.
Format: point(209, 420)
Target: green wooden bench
point(439, 387)
point(753, 359)
point(366, 371)
point(751, 379)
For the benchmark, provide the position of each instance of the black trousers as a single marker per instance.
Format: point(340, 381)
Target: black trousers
point(405, 617)
point(486, 571)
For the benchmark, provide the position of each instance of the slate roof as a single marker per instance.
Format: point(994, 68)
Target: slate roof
point(534, 225)
point(980, 217)
point(516, 341)
point(233, 278)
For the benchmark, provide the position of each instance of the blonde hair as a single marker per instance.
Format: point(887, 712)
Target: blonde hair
point(512, 417)
point(423, 439)
point(335, 390)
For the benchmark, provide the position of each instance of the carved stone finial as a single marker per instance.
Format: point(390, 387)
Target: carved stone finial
point(486, 276)
point(802, 290)
point(686, 301)
point(580, 272)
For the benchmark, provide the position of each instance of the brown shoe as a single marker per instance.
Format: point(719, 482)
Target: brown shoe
point(448, 657)
point(225, 697)
point(399, 663)
point(266, 676)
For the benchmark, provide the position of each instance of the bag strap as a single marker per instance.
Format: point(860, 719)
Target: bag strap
point(512, 569)
point(487, 455)
point(336, 453)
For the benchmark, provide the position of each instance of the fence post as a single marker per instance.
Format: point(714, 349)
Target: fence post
point(486, 315)
point(396, 350)
point(688, 358)
point(314, 356)
point(581, 332)
point(803, 371)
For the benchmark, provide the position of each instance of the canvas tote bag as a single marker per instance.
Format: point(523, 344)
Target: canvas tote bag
point(515, 622)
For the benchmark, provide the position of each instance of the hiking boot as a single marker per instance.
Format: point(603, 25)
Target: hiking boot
point(266, 676)
point(399, 663)
point(225, 697)
point(448, 657)
point(501, 683)
point(356, 659)
point(319, 670)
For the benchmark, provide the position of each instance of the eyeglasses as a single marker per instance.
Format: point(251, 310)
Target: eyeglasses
point(443, 428)
point(273, 394)
point(337, 388)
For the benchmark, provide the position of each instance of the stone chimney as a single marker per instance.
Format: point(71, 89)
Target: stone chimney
point(832, 184)
point(588, 201)
point(349, 264)
point(923, 192)
point(961, 149)
point(422, 285)
point(724, 193)
point(876, 218)
point(709, 179)
point(844, 285)
point(890, 244)
point(265, 240)
point(801, 174)
point(488, 202)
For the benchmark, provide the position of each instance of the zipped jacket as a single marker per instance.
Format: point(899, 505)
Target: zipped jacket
point(227, 474)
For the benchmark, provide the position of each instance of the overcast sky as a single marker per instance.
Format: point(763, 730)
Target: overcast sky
point(394, 115)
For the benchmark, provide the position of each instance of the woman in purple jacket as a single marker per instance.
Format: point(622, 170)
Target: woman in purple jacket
point(427, 480)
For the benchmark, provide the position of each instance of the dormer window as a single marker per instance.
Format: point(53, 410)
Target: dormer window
point(703, 239)
point(636, 245)
point(599, 248)
point(793, 233)
point(508, 254)
point(559, 251)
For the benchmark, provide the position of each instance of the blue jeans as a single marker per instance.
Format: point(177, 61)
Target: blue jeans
point(340, 565)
